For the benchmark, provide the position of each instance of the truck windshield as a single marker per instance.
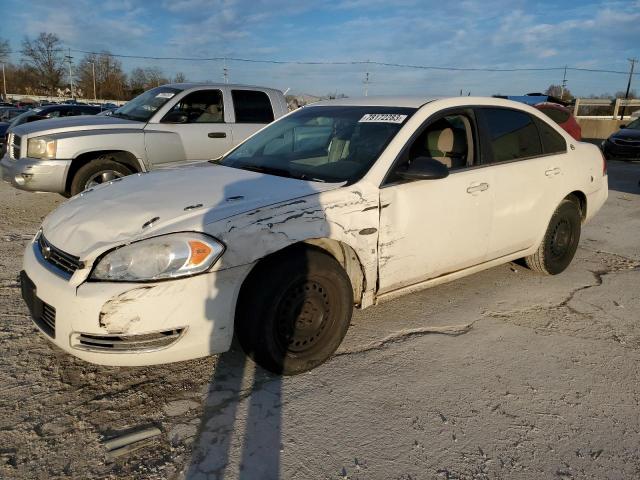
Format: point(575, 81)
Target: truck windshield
point(145, 105)
point(322, 144)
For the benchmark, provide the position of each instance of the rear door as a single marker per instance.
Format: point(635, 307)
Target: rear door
point(196, 128)
point(526, 177)
point(252, 110)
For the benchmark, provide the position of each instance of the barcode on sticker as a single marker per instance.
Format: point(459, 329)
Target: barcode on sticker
point(383, 117)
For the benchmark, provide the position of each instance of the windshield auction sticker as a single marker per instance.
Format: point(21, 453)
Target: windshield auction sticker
point(165, 95)
point(382, 118)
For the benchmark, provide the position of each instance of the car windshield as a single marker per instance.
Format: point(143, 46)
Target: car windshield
point(145, 105)
point(322, 144)
point(635, 125)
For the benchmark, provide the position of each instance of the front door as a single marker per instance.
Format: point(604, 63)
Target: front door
point(194, 129)
point(430, 228)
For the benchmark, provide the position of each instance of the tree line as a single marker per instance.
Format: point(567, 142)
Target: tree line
point(44, 70)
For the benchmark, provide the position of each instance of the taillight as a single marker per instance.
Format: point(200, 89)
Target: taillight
point(604, 163)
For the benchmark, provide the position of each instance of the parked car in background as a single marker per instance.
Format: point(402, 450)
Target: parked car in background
point(625, 143)
point(165, 126)
point(9, 113)
point(563, 116)
point(341, 203)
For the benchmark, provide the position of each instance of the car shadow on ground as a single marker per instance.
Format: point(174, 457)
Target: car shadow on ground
point(240, 431)
point(242, 418)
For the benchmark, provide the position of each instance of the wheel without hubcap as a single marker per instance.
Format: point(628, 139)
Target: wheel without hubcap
point(294, 311)
point(560, 241)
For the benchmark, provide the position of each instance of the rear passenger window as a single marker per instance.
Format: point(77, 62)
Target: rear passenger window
point(252, 107)
point(512, 134)
point(552, 141)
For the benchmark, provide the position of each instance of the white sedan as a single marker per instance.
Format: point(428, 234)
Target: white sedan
point(339, 204)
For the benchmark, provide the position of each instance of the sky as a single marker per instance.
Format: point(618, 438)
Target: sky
point(594, 34)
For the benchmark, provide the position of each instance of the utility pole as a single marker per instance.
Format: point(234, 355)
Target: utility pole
point(69, 57)
point(564, 83)
point(4, 83)
point(626, 95)
point(93, 69)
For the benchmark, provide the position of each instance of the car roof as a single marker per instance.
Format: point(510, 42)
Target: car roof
point(190, 85)
point(381, 101)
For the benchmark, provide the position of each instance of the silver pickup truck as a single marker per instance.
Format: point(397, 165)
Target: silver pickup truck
point(169, 125)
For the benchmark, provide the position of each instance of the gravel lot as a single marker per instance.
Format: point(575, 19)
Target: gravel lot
point(504, 374)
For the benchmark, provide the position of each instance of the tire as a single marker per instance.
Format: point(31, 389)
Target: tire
point(294, 310)
point(102, 169)
point(560, 241)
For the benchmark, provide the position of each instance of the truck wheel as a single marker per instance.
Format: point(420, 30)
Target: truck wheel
point(100, 170)
point(560, 241)
point(294, 311)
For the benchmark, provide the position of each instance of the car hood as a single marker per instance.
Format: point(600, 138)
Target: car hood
point(627, 133)
point(76, 123)
point(164, 201)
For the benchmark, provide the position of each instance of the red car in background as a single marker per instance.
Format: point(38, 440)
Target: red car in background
point(562, 116)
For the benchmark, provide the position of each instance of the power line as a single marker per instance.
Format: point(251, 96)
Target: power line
point(355, 62)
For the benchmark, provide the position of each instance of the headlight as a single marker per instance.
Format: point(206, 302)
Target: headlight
point(41, 147)
point(167, 256)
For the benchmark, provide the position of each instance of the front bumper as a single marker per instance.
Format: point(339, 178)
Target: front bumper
point(613, 150)
point(35, 175)
point(200, 309)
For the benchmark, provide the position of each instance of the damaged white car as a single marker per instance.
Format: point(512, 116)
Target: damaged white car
point(339, 204)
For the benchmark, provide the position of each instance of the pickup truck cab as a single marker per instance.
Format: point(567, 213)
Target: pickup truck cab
point(165, 126)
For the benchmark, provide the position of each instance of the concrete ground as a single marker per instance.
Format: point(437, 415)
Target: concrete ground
point(503, 374)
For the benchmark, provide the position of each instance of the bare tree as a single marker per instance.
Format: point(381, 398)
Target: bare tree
point(558, 92)
point(179, 78)
point(110, 80)
point(44, 56)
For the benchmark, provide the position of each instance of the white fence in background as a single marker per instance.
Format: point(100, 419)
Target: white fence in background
point(605, 102)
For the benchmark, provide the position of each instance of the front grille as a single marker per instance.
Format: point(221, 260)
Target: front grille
point(14, 145)
point(627, 142)
point(126, 343)
point(61, 261)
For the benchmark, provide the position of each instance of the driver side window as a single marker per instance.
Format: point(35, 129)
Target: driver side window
point(204, 106)
point(448, 139)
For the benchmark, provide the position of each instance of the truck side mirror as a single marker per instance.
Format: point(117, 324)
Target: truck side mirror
point(175, 117)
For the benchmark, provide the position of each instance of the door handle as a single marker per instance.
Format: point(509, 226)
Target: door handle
point(481, 187)
point(217, 135)
point(552, 172)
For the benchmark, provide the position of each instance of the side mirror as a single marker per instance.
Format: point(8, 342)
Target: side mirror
point(175, 117)
point(424, 168)
point(622, 126)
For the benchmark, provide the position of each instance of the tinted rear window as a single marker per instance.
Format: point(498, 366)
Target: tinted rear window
point(251, 106)
point(558, 116)
point(552, 141)
point(512, 134)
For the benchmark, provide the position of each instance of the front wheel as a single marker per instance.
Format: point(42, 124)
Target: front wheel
point(560, 241)
point(101, 170)
point(294, 311)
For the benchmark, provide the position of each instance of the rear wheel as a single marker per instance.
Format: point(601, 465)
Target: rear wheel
point(101, 170)
point(294, 310)
point(560, 241)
